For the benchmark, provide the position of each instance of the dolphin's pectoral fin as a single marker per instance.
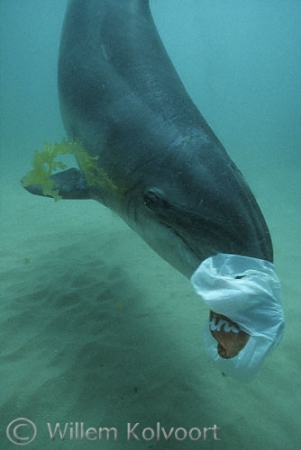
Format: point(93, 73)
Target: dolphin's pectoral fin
point(69, 184)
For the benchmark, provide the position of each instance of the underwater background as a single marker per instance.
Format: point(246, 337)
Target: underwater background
point(94, 326)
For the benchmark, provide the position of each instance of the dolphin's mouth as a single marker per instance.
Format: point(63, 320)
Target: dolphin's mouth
point(231, 339)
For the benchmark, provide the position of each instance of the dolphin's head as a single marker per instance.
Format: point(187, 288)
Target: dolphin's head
point(198, 212)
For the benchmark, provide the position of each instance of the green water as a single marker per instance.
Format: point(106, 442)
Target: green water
point(95, 329)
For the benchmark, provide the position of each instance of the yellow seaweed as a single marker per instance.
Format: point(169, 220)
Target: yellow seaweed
point(44, 165)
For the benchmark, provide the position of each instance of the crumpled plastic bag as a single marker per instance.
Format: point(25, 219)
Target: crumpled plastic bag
point(248, 292)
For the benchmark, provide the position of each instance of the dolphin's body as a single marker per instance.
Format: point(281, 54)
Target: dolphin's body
point(121, 97)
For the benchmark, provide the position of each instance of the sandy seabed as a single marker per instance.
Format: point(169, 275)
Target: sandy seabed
point(97, 331)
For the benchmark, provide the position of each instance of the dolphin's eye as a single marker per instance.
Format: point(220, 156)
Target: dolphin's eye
point(154, 200)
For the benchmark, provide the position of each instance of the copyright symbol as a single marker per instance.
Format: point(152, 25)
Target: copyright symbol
point(14, 427)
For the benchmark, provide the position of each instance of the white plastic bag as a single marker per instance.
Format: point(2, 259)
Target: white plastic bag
point(247, 291)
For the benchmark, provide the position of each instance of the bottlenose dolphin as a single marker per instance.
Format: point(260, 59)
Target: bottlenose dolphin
point(155, 161)
point(174, 183)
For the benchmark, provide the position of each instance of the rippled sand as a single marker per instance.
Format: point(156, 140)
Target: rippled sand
point(97, 329)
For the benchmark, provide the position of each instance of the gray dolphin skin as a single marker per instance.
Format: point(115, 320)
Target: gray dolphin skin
point(122, 99)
